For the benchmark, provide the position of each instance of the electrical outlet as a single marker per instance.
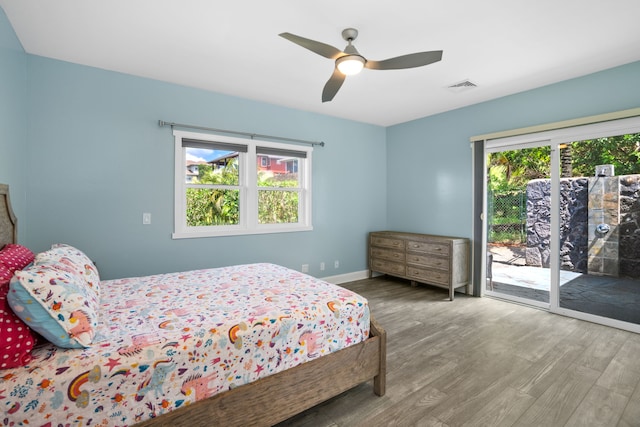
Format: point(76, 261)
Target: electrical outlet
point(336, 264)
point(146, 218)
point(305, 268)
point(322, 266)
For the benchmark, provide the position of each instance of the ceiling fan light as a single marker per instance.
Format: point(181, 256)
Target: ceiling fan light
point(350, 64)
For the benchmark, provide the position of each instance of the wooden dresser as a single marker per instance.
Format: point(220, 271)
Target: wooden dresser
point(435, 260)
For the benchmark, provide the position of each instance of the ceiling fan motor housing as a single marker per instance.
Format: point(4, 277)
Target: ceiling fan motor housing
point(349, 34)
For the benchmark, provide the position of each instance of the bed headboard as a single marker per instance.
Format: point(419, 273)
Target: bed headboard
point(8, 221)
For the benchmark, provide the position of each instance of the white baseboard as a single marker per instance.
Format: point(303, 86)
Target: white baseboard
point(348, 277)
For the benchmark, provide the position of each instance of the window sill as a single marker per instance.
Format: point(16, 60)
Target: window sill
point(240, 232)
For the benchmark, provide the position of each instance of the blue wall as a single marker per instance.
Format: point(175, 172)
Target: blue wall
point(13, 119)
point(98, 160)
point(429, 160)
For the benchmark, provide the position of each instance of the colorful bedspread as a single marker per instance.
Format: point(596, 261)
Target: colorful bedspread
point(167, 340)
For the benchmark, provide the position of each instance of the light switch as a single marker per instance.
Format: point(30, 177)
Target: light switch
point(146, 218)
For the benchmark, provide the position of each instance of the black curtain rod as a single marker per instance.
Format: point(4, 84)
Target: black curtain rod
point(251, 135)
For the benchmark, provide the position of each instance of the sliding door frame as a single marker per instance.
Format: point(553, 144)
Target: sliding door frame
point(509, 144)
point(555, 137)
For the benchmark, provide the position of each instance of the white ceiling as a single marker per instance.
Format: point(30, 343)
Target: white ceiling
point(232, 47)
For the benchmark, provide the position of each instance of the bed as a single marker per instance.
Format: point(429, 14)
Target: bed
point(263, 344)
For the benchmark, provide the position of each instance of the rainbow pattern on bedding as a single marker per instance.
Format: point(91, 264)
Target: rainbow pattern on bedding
point(166, 341)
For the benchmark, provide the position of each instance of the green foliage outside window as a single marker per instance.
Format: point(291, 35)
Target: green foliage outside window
point(512, 170)
point(212, 207)
point(623, 152)
point(221, 206)
point(277, 206)
point(207, 206)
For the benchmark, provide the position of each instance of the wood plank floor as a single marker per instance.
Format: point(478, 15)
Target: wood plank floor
point(485, 362)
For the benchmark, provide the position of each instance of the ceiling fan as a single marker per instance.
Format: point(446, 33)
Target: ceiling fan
point(349, 61)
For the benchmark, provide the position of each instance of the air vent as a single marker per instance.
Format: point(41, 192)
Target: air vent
point(462, 86)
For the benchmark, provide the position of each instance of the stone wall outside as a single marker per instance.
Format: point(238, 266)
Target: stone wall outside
point(574, 224)
point(630, 225)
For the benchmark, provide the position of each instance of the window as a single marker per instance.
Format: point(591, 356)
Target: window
point(230, 186)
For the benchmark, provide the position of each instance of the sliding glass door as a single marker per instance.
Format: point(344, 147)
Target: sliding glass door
point(518, 219)
point(561, 221)
point(600, 227)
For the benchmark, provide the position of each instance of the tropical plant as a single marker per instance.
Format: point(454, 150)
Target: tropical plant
point(622, 151)
point(214, 206)
point(277, 206)
point(221, 206)
point(512, 170)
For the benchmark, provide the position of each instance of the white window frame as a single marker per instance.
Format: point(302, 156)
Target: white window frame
point(248, 187)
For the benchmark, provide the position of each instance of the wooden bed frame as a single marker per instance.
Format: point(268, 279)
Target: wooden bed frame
point(277, 397)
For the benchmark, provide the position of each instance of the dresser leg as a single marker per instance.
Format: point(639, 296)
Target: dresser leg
point(451, 292)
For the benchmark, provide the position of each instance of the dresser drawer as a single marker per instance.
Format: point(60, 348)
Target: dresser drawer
point(429, 247)
point(428, 261)
point(384, 266)
point(387, 242)
point(389, 254)
point(428, 276)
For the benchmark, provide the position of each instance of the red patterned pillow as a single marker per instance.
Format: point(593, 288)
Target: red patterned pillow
point(5, 274)
point(16, 339)
point(15, 257)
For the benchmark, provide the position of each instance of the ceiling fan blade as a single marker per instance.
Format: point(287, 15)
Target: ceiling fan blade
point(323, 49)
point(333, 85)
point(406, 61)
